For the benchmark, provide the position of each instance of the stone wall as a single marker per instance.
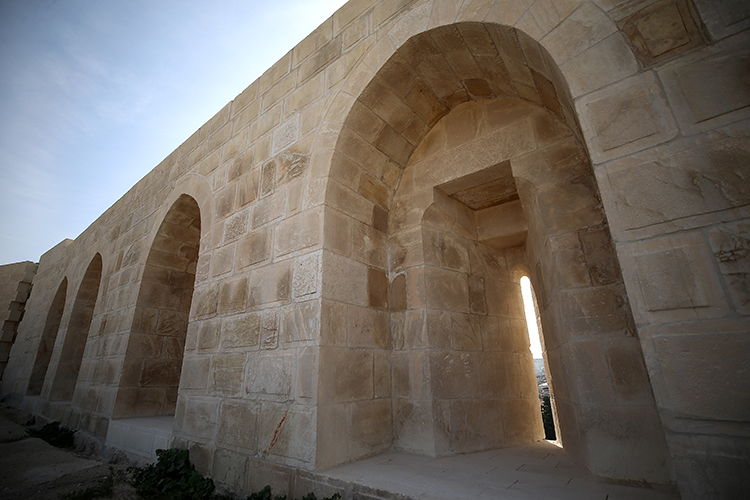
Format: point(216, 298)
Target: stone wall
point(15, 288)
point(329, 267)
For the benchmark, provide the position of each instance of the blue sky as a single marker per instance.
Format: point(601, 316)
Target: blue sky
point(94, 94)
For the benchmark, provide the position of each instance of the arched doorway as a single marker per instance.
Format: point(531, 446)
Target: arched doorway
point(153, 360)
point(465, 151)
point(71, 355)
point(47, 342)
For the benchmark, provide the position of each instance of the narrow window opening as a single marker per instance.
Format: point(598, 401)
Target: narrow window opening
point(532, 325)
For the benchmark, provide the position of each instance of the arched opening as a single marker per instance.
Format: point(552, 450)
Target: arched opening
point(465, 150)
point(71, 355)
point(47, 342)
point(153, 359)
point(533, 325)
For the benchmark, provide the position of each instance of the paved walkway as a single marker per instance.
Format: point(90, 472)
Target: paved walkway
point(537, 471)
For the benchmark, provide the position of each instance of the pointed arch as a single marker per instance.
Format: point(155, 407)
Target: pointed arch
point(71, 355)
point(153, 359)
point(47, 342)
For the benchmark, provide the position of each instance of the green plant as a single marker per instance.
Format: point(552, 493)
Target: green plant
point(55, 434)
point(172, 477)
point(103, 489)
point(265, 494)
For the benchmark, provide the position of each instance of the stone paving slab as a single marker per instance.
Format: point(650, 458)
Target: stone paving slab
point(537, 471)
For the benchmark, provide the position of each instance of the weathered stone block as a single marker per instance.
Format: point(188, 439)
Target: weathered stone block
point(345, 375)
point(241, 331)
point(270, 376)
point(368, 328)
point(227, 372)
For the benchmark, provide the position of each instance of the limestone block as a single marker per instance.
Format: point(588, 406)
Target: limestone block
point(270, 284)
point(454, 374)
point(346, 375)
point(268, 209)
point(160, 372)
point(241, 331)
point(413, 428)
point(300, 322)
point(563, 264)
point(195, 372)
point(700, 373)
point(233, 296)
point(709, 89)
point(229, 469)
point(504, 299)
point(209, 334)
point(382, 373)
point(724, 17)
point(236, 226)
point(397, 293)
point(663, 30)
point(262, 472)
point(333, 323)
point(344, 280)
point(446, 290)
point(285, 134)
point(269, 331)
point(368, 328)
point(581, 209)
point(254, 248)
point(200, 418)
point(587, 373)
point(306, 380)
point(347, 201)
point(521, 421)
point(227, 372)
point(624, 118)
point(597, 311)
point(299, 232)
point(585, 27)
point(730, 244)
point(466, 332)
point(706, 475)
point(439, 329)
point(369, 245)
point(672, 279)
point(415, 288)
point(608, 429)
point(493, 381)
point(519, 372)
point(337, 232)
point(377, 288)
point(371, 427)
point(628, 371)
point(270, 375)
point(247, 187)
point(294, 429)
point(333, 434)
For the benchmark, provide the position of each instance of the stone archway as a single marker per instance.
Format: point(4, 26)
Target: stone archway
point(47, 342)
point(153, 359)
point(71, 355)
point(480, 107)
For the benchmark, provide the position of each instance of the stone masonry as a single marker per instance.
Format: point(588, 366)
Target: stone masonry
point(329, 268)
point(15, 287)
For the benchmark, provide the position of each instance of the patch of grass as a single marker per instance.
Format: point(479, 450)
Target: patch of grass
point(55, 434)
point(103, 489)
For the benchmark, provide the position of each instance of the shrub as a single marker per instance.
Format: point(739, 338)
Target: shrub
point(55, 434)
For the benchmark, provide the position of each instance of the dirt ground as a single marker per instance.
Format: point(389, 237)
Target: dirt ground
point(31, 469)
